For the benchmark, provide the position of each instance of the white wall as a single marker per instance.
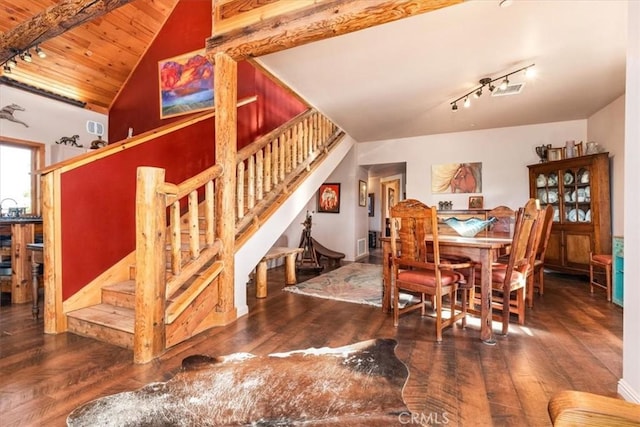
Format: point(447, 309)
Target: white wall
point(48, 120)
point(629, 385)
point(504, 153)
point(338, 231)
point(606, 127)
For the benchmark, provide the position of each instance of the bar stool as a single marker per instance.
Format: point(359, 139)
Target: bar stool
point(604, 262)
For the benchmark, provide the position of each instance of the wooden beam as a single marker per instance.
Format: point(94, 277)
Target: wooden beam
point(320, 21)
point(52, 22)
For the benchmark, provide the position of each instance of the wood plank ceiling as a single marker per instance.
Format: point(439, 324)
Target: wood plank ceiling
point(91, 61)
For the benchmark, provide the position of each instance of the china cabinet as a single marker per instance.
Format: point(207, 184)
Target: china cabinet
point(578, 189)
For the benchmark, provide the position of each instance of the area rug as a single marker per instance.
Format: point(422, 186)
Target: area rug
point(356, 282)
point(356, 385)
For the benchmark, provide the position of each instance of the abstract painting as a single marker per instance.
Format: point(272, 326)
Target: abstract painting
point(186, 84)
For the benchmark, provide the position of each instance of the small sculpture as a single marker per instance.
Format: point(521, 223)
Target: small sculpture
point(98, 143)
point(541, 151)
point(69, 140)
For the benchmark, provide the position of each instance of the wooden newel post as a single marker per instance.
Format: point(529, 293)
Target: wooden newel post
point(226, 89)
point(149, 334)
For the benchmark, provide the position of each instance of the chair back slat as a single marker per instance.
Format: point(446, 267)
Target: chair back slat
point(524, 238)
point(411, 222)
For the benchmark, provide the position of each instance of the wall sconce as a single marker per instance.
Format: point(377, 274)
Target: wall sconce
point(489, 84)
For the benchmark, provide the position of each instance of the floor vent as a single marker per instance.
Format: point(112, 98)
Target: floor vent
point(511, 89)
point(362, 246)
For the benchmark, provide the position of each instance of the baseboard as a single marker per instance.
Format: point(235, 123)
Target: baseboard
point(627, 393)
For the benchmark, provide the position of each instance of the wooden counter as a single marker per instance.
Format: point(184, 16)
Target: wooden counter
point(22, 232)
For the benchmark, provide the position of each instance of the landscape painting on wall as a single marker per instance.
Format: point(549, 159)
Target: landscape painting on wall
point(186, 84)
point(456, 178)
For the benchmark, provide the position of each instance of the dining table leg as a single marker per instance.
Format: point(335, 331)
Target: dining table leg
point(486, 311)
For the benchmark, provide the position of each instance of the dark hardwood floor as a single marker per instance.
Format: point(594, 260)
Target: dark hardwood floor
point(571, 340)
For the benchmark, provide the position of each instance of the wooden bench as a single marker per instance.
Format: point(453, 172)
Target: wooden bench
point(289, 255)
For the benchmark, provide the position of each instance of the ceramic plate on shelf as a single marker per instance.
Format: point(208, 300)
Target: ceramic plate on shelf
point(556, 214)
point(582, 197)
point(584, 178)
point(541, 181)
point(587, 216)
point(572, 215)
point(552, 197)
point(581, 215)
point(552, 180)
point(568, 178)
point(542, 195)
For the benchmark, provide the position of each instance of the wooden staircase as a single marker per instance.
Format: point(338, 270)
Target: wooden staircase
point(113, 320)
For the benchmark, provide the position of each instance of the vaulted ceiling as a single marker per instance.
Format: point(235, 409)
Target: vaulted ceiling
point(91, 61)
point(390, 81)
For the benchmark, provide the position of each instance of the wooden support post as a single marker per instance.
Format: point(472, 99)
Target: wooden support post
point(226, 90)
point(149, 328)
point(55, 320)
point(261, 279)
point(290, 268)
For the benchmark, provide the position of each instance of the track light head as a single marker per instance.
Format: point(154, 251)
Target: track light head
point(467, 102)
point(504, 84)
point(25, 56)
point(7, 69)
point(12, 62)
point(40, 52)
point(454, 107)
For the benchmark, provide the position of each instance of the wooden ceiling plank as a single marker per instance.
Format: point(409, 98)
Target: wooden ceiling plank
point(317, 22)
point(52, 22)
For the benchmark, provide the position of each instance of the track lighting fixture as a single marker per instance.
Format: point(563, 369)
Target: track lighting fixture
point(23, 54)
point(40, 52)
point(489, 83)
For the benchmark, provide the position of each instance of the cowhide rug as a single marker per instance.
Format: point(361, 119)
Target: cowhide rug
point(355, 385)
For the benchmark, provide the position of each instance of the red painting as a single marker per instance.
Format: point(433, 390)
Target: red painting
point(329, 198)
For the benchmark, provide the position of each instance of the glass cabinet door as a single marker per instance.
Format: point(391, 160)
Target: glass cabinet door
point(548, 192)
point(576, 194)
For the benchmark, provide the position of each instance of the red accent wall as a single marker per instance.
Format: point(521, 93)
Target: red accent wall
point(98, 199)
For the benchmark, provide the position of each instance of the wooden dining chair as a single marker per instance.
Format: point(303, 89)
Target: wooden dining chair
point(509, 278)
point(505, 217)
point(411, 222)
point(537, 272)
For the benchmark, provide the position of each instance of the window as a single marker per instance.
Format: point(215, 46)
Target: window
point(19, 182)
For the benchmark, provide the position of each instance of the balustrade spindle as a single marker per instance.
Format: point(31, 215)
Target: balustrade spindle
point(259, 175)
point(251, 182)
point(240, 191)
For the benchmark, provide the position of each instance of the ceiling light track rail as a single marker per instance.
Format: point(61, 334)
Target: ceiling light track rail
point(489, 84)
point(25, 55)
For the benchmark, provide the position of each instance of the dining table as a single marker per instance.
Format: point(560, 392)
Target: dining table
point(484, 248)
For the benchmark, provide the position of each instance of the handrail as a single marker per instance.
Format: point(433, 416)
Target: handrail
point(273, 160)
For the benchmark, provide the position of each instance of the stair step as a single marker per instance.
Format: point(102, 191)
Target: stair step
point(121, 294)
point(104, 322)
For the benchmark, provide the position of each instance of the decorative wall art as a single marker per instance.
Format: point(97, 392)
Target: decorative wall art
point(371, 204)
point(476, 202)
point(456, 178)
point(186, 84)
point(7, 113)
point(362, 193)
point(329, 198)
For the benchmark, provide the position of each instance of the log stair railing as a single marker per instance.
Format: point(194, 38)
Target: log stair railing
point(269, 169)
point(173, 291)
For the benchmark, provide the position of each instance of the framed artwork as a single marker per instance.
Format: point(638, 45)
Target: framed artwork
point(186, 84)
point(362, 193)
point(476, 202)
point(456, 178)
point(370, 205)
point(554, 154)
point(329, 198)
